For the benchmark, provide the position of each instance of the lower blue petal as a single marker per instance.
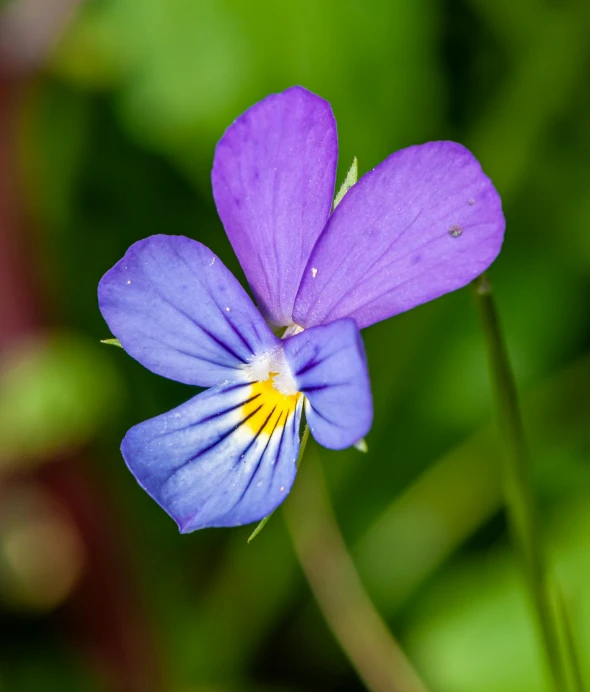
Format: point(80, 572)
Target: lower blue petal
point(226, 457)
point(329, 367)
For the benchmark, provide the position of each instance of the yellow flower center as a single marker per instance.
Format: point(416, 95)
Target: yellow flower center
point(267, 409)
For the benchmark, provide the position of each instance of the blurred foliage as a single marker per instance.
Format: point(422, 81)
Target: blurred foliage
point(41, 553)
point(55, 392)
point(117, 139)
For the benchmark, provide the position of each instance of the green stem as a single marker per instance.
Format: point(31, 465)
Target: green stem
point(330, 571)
point(517, 480)
point(574, 663)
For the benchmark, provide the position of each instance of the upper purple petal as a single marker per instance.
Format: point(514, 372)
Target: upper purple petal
point(273, 183)
point(329, 366)
point(424, 222)
point(181, 313)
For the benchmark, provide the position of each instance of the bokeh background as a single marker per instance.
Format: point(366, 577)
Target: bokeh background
point(109, 114)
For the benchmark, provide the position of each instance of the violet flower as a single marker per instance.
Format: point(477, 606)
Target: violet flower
point(424, 222)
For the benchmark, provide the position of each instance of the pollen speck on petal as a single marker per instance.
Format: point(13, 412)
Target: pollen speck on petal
point(314, 272)
point(455, 230)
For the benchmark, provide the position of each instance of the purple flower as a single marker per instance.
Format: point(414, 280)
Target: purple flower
point(424, 222)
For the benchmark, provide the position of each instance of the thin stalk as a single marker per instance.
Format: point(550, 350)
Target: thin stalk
point(574, 661)
point(517, 481)
point(357, 626)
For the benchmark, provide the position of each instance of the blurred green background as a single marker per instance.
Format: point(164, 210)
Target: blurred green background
point(109, 114)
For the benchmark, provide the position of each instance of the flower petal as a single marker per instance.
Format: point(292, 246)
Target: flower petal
point(226, 457)
point(273, 183)
point(180, 312)
point(329, 366)
point(424, 222)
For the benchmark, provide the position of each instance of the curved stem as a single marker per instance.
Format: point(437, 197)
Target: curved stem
point(517, 480)
point(331, 574)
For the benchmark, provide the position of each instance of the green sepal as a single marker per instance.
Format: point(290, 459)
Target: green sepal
point(362, 445)
point(351, 177)
point(111, 342)
point(259, 527)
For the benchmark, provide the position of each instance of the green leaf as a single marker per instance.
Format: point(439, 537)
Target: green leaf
point(56, 391)
point(351, 177)
point(111, 342)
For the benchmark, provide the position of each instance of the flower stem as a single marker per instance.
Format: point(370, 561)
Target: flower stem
point(357, 626)
point(571, 650)
point(517, 480)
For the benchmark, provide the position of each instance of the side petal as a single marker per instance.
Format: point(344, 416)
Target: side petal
point(273, 183)
point(180, 312)
point(424, 222)
point(226, 457)
point(329, 367)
